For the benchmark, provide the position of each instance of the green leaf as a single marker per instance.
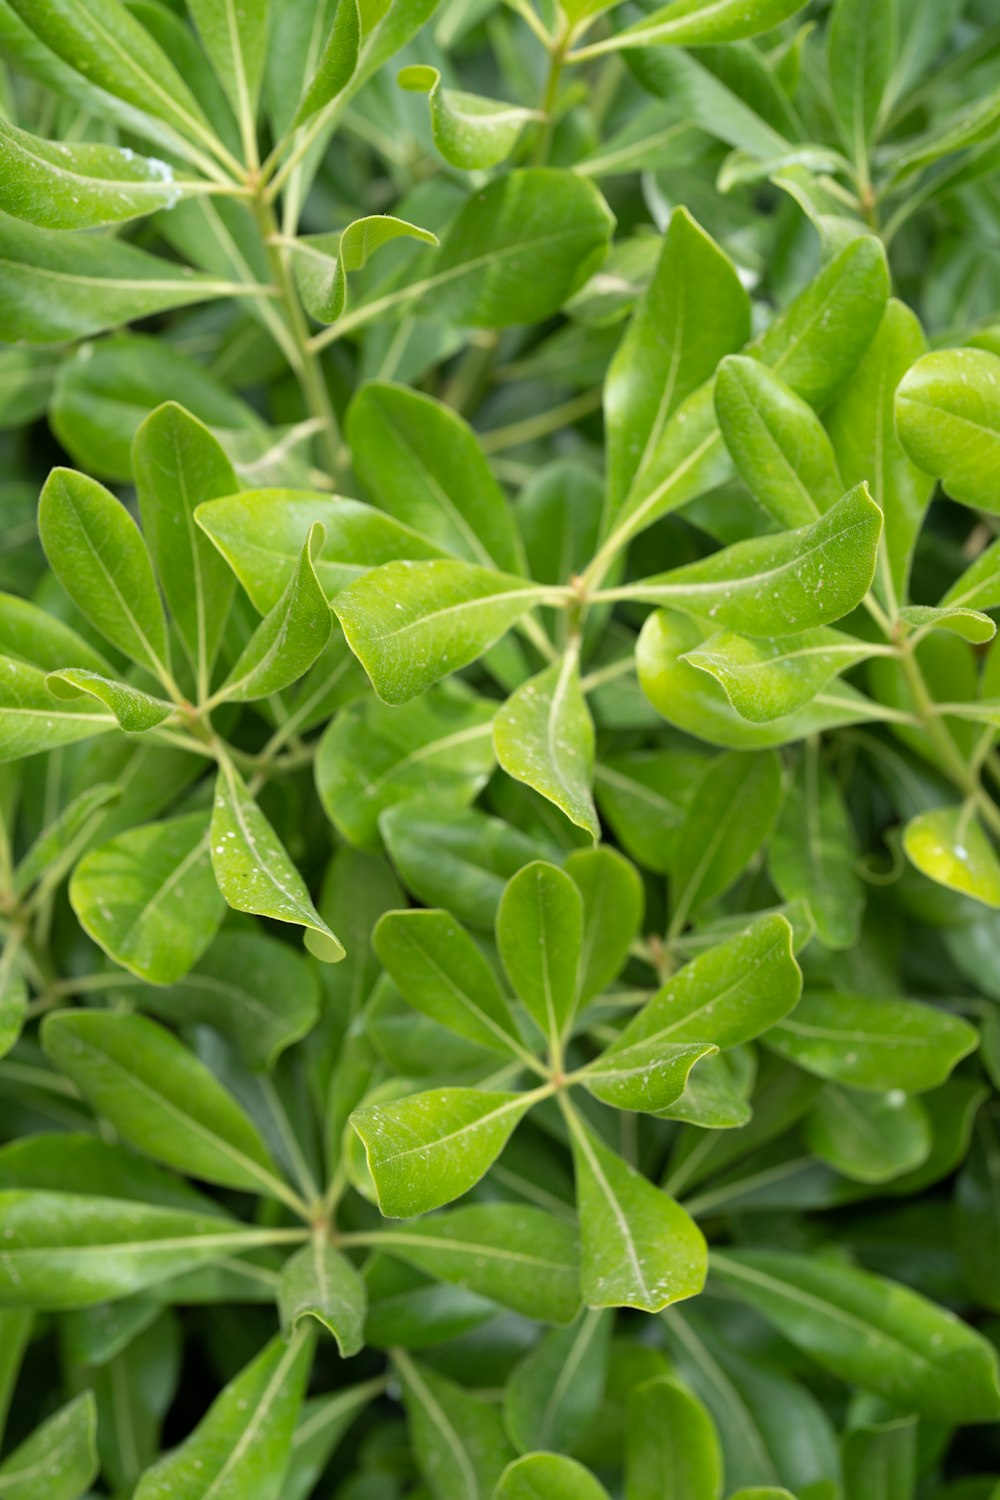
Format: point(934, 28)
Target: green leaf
point(699, 23)
point(778, 585)
point(57, 287)
point(813, 853)
point(967, 624)
point(289, 638)
point(424, 465)
point(732, 810)
point(977, 1229)
point(431, 1148)
point(518, 250)
point(557, 1390)
point(469, 131)
point(860, 52)
point(59, 843)
point(862, 425)
point(694, 312)
point(318, 1282)
point(134, 710)
point(540, 938)
point(32, 720)
point(159, 1097)
point(81, 186)
point(254, 871)
point(613, 900)
point(322, 262)
point(178, 467)
point(372, 757)
point(33, 635)
point(148, 897)
point(548, 1476)
point(337, 63)
point(948, 420)
point(647, 1075)
point(458, 1440)
point(442, 973)
point(726, 996)
point(766, 680)
point(880, 1461)
point(243, 1444)
point(76, 1251)
point(410, 624)
point(867, 1043)
point(869, 1137)
point(638, 1247)
point(517, 1256)
point(544, 736)
point(98, 554)
point(642, 796)
point(260, 994)
point(869, 1331)
point(234, 34)
point(711, 1098)
point(259, 533)
point(777, 442)
point(59, 1460)
point(671, 1447)
point(948, 845)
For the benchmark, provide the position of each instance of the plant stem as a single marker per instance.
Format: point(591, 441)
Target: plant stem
point(952, 759)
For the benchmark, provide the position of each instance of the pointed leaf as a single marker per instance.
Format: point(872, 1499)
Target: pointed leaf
point(700, 23)
point(766, 680)
point(967, 624)
point(337, 63)
point(289, 638)
point(234, 34)
point(322, 262)
point(647, 1076)
point(544, 736)
point(59, 1460)
point(318, 1282)
point(134, 710)
point(469, 131)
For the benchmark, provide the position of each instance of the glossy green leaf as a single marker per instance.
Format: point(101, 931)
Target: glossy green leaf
point(289, 638)
point(861, 46)
point(948, 845)
point(556, 1391)
point(242, 1445)
point(732, 810)
point(813, 853)
point(548, 1476)
point(441, 972)
point(870, 1331)
point(694, 311)
point(777, 442)
point(149, 899)
point(32, 720)
point(410, 624)
point(876, 1044)
point(135, 711)
point(968, 624)
point(178, 466)
point(99, 556)
point(645, 1075)
point(766, 680)
point(373, 757)
point(59, 1460)
point(318, 1282)
point(235, 38)
point(159, 1097)
point(431, 1148)
point(710, 1098)
point(671, 1448)
point(254, 871)
point(638, 1247)
point(544, 736)
point(948, 420)
point(469, 131)
point(869, 1137)
point(613, 900)
point(517, 1256)
point(337, 62)
point(30, 634)
point(458, 1439)
point(642, 795)
point(540, 938)
point(323, 262)
point(700, 23)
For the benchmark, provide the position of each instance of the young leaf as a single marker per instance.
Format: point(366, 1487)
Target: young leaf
point(469, 131)
point(948, 420)
point(179, 466)
point(426, 1150)
point(337, 63)
point(671, 1446)
point(242, 1446)
point(458, 1440)
point(134, 710)
point(148, 897)
point(813, 853)
point(638, 1247)
point(556, 1391)
point(517, 1256)
point(694, 312)
point(97, 552)
point(289, 638)
point(254, 871)
point(318, 1282)
point(158, 1096)
point(777, 442)
point(548, 1476)
point(870, 1331)
point(648, 1076)
point(59, 1460)
point(967, 624)
point(540, 938)
point(766, 680)
point(441, 972)
point(322, 261)
point(544, 736)
point(371, 757)
point(423, 464)
point(867, 1043)
point(410, 624)
point(731, 813)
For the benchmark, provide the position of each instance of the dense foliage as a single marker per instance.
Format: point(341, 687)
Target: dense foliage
point(507, 488)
